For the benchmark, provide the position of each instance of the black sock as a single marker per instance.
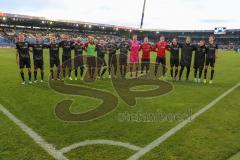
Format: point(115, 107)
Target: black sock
point(195, 73)
point(156, 69)
point(42, 74)
point(181, 72)
point(30, 76)
point(22, 76)
point(121, 70)
point(176, 72)
point(69, 72)
point(200, 73)
point(64, 72)
point(124, 70)
point(142, 68)
point(212, 74)
point(109, 70)
point(76, 73)
point(205, 73)
point(81, 71)
point(58, 72)
point(171, 70)
point(164, 70)
point(51, 72)
point(35, 75)
point(103, 72)
point(188, 72)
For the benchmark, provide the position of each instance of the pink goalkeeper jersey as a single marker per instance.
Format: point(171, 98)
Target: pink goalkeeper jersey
point(134, 52)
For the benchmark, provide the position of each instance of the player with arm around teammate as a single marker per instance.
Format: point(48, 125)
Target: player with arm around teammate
point(174, 49)
point(101, 63)
point(212, 50)
point(23, 57)
point(124, 48)
point(78, 48)
point(54, 58)
point(199, 60)
point(161, 47)
point(186, 57)
point(38, 58)
point(134, 55)
point(66, 45)
point(146, 49)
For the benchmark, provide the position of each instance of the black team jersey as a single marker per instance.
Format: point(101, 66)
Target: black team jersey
point(200, 56)
point(67, 47)
point(174, 50)
point(78, 49)
point(211, 51)
point(186, 54)
point(54, 51)
point(112, 48)
point(101, 51)
point(124, 47)
point(37, 51)
point(23, 49)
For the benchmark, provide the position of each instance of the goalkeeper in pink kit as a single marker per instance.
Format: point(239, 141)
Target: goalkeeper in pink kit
point(134, 54)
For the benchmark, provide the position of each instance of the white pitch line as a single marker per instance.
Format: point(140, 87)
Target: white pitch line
point(36, 137)
point(102, 142)
point(172, 131)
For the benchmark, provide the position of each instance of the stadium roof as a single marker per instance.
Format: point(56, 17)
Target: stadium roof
point(159, 14)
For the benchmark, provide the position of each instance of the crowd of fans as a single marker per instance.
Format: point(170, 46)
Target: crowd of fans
point(8, 37)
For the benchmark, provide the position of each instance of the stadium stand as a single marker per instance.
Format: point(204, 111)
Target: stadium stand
point(11, 25)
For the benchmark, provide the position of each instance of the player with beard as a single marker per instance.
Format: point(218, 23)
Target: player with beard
point(174, 49)
point(101, 63)
point(124, 48)
point(38, 58)
point(212, 50)
point(23, 57)
point(112, 59)
point(78, 48)
point(54, 58)
point(161, 47)
point(66, 45)
point(186, 57)
point(91, 48)
point(199, 60)
point(134, 55)
point(146, 49)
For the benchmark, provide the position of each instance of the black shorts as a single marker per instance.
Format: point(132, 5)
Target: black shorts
point(55, 62)
point(66, 62)
point(123, 59)
point(185, 63)
point(174, 62)
point(38, 64)
point(101, 62)
point(210, 61)
point(91, 61)
point(161, 60)
point(78, 62)
point(145, 61)
point(24, 62)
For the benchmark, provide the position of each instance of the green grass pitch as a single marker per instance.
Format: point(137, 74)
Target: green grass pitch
point(212, 136)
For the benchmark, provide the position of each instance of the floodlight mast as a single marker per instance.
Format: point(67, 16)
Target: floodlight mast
point(144, 4)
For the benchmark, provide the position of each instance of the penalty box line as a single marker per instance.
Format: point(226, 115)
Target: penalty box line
point(36, 137)
point(174, 130)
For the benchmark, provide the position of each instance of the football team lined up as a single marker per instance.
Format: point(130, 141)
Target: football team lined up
point(180, 55)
